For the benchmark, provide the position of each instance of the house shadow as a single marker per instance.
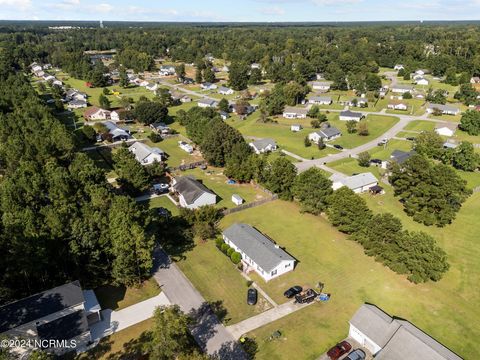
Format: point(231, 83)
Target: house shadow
point(109, 295)
point(204, 323)
point(231, 350)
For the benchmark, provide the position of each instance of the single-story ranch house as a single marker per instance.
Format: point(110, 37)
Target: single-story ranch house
point(259, 253)
point(391, 338)
point(444, 109)
point(295, 113)
point(357, 183)
point(192, 194)
point(320, 100)
point(321, 85)
point(145, 154)
point(446, 129)
point(402, 89)
point(207, 103)
point(397, 106)
point(263, 146)
point(350, 115)
point(326, 134)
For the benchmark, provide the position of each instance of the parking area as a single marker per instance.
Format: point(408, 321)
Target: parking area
point(355, 345)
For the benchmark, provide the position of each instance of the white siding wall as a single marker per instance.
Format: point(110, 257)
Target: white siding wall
point(205, 199)
point(363, 340)
point(282, 268)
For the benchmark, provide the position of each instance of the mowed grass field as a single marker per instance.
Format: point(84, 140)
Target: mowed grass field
point(376, 124)
point(281, 133)
point(447, 310)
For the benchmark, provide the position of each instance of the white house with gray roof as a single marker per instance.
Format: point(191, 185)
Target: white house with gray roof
point(402, 89)
point(348, 115)
point(320, 100)
point(261, 146)
point(225, 90)
point(321, 85)
point(192, 194)
point(291, 112)
point(145, 154)
point(259, 253)
point(327, 133)
point(357, 183)
point(444, 109)
point(390, 338)
point(207, 103)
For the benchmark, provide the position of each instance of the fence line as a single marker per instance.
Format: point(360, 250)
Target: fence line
point(187, 166)
point(249, 205)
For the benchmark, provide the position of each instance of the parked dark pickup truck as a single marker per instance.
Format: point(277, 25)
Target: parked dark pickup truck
point(306, 296)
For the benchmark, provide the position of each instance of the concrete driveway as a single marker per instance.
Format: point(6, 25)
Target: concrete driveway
point(264, 318)
point(208, 331)
point(113, 321)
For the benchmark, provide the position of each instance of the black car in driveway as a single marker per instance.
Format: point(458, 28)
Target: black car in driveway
point(357, 354)
point(294, 290)
point(252, 296)
point(338, 147)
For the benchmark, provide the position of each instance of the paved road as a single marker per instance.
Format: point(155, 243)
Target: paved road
point(208, 331)
point(264, 318)
point(187, 91)
point(390, 133)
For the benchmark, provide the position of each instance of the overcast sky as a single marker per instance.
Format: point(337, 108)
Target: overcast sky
point(240, 10)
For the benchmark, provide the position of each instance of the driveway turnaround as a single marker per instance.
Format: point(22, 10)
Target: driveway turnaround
point(208, 331)
point(113, 321)
point(264, 318)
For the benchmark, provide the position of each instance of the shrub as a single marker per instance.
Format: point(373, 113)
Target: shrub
point(155, 138)
point(224, 248)
point(230, 251)
point(236, 257)
point(219, 242)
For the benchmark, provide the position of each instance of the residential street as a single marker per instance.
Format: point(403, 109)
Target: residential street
point(208, 331)
point(390, 133)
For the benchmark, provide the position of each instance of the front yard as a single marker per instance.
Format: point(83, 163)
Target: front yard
point(216, 277)
point(377, 125)
point(214, 179)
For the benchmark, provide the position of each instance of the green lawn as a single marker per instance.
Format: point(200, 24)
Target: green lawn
point(120, 345)
point(324, 254)
point(119, 297)
point(94, 93)
point(420, 125)
point(377, 125)
point(214, 179)
point(350, 166)
point(176, 156)
point(281, 133)
point(216, 277)
point(164, 202)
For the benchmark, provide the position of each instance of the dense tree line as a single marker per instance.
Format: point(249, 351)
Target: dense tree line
point(219, 141)
point(431, 193)
point(60, 219)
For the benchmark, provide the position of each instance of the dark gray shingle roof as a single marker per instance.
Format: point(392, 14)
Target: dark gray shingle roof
point(190, 188)
point(256, 246)
point(40, 305)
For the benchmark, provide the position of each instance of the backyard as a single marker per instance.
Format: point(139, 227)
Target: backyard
point(352, 278)
point(214, 179)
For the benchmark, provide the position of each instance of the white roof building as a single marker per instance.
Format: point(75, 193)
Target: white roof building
point(357, 183)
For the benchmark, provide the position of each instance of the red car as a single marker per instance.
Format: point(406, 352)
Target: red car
point(338, 350)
